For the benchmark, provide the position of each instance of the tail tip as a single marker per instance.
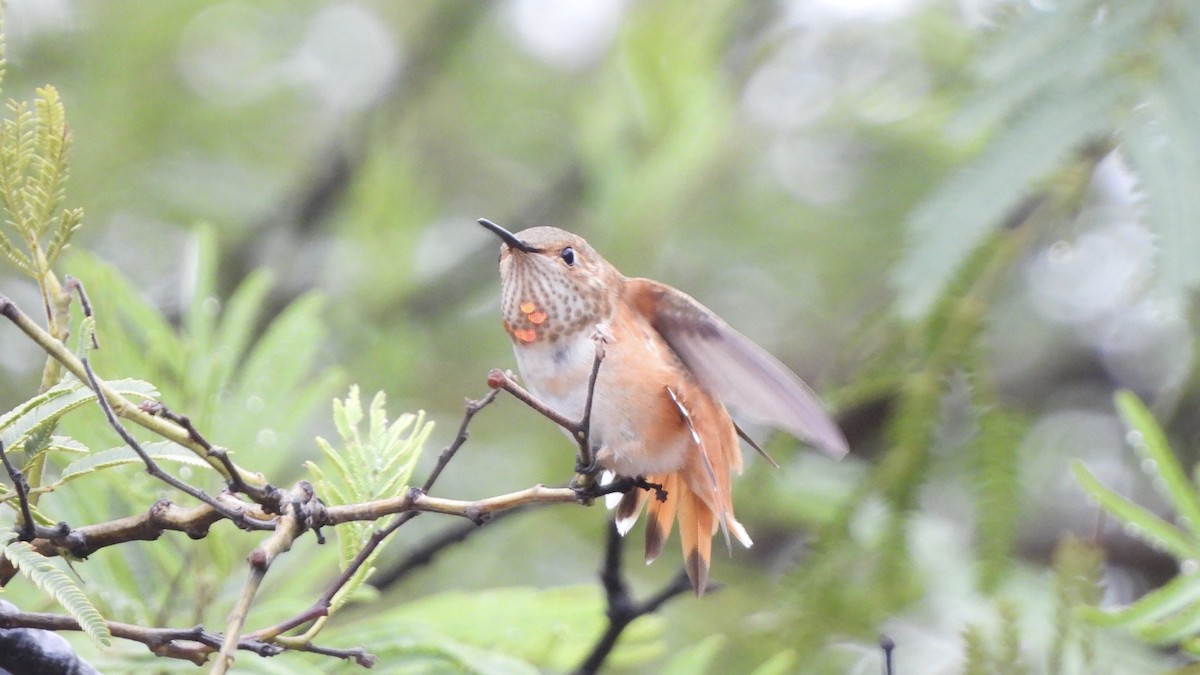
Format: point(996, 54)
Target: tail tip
point(697, 571)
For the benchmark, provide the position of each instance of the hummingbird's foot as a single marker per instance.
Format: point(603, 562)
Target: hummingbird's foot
point(659, 493)
point(587, 490)
point(589, 470)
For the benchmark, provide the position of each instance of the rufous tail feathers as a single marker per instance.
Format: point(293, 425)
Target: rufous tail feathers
point(698, 522)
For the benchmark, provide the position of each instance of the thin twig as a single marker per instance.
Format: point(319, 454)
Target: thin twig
point(263, 494)
point(190, 644)
point(585, 461)
point(163, 516)
point(423, 554)
point(240, 518)
point(622, 610)
point(584, 431)
point(448, 453)
point(120, 405)
point(406, 508)
point(28, 530)
point(290, 525)
point(888, 645)
point(359, 655)
point(499, 379)
point(70, 283)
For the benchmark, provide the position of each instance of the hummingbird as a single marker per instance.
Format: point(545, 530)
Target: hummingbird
point(670, 368)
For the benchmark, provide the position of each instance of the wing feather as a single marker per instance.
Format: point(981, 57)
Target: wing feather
point(743, 375)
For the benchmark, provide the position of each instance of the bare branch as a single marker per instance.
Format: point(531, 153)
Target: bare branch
point(424, 553)
point(585, 461)
point(500, 379)
point(28, 529)
point(120, 406)
point(240, 517)
point(448, 453)
point(70, 283)
point(291, 524)
point(478, 511)
point(622, 610)
point(360, 656)
point(263, 494)
point(163, 516)
point(189, 644)
point(583, 433)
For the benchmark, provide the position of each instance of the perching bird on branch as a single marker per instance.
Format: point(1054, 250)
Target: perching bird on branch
point(670, 367)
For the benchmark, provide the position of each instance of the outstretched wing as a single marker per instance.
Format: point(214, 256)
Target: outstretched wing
point(743, 375)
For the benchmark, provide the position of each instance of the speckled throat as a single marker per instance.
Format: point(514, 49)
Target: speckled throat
point(555, 285)
point(544, 306)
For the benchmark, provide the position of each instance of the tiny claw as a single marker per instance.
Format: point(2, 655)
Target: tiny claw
point(623, 484)
point(584, 488)
point(659, 493)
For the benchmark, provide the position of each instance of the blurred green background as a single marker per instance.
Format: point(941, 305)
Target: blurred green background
point(825, 175)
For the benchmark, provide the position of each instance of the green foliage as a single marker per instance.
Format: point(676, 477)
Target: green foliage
point(43, 411)
point(651, 143)
point(551, 628)
point(1050, 83)
point(780, 664)
point(695, 658)
point(1078, 573)
point(30, 428)
point(261, 379)
point(56, 583)
point(1070, 647)
point(999, 655)
point(997, 479)
point(123, 455)
point(1170, 614)
point(33, 175)
point(366, 467)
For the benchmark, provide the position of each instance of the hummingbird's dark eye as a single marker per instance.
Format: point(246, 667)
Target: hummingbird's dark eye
point(568, 256)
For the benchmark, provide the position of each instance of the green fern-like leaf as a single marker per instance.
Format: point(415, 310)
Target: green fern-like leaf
point(1169, 614)
point(61, 587)
point(46, 192)
point(369, 465)
point(985, 654)
point(68, 223)
point(16, 149)
point(124, 455)
point(1137, 518)
point(44, 410)
point(1078, 567)
point(1148, 439)
point(19, 259)
point(1008, 658)
point(1163, 145)
point(977, 657)
point(380, 462)
point(999, 492)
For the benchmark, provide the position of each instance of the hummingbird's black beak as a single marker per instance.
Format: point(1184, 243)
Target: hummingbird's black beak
point(508, 237)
